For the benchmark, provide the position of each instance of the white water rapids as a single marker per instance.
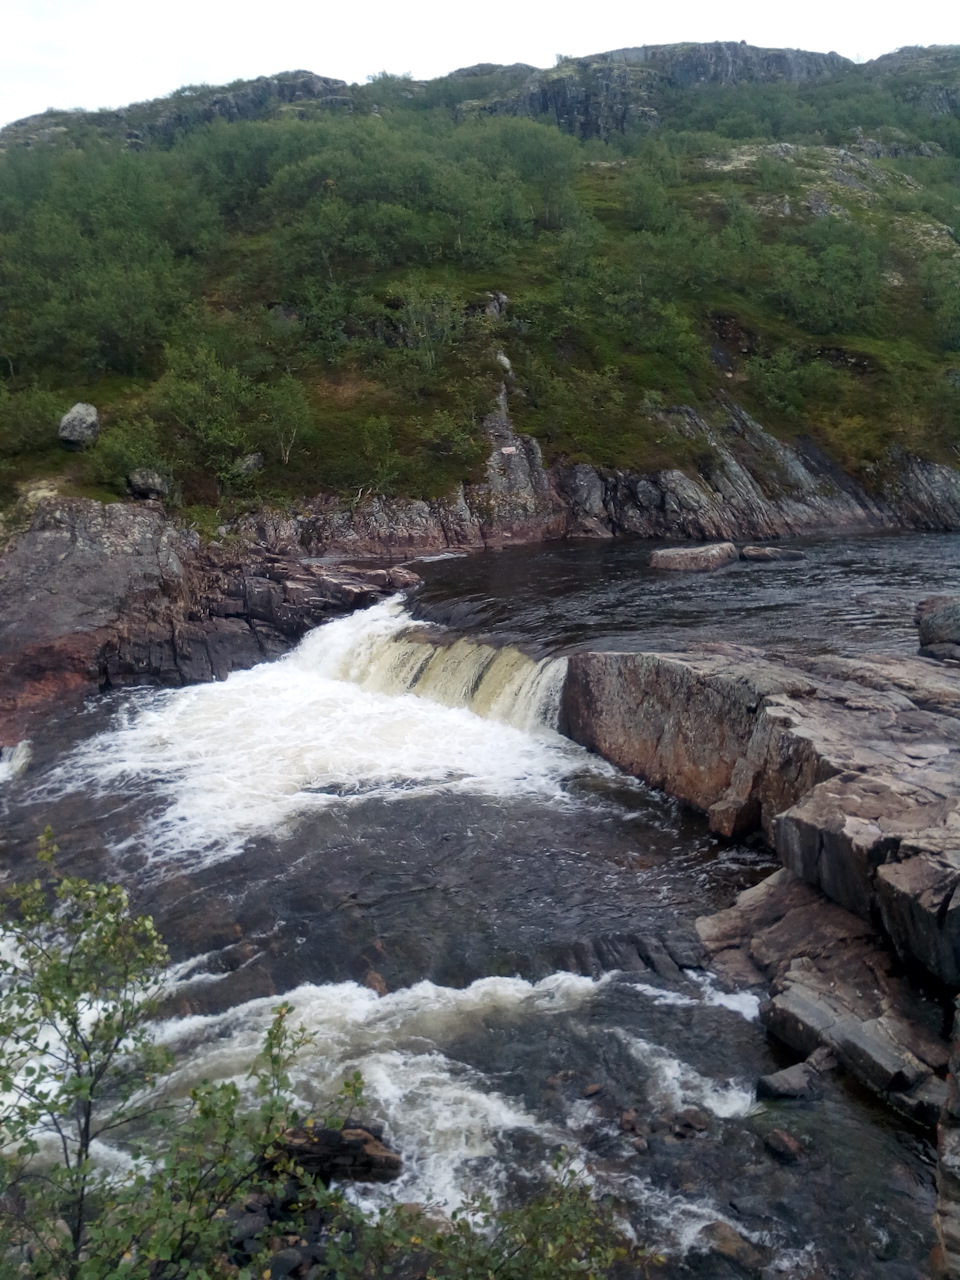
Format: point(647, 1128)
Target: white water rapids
point(452, 1122)
point(378, 707)
point(371, 705)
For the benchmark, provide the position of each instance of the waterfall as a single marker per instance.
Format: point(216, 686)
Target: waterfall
point(371, 707)
point(384, 651)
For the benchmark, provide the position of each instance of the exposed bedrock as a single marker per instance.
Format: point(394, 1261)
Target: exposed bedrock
point(95, 595)
point(835, 995)
point(851, 769)
point(748, 485)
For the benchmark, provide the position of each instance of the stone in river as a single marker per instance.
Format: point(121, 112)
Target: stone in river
point(784, 1146)
point(719, 1237)
point(694, 559)
point(80, 427)
point(800, 1081)
point(771, 553)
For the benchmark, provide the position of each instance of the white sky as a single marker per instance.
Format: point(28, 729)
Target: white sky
point(97, 53)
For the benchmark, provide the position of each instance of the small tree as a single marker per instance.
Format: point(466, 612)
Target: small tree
point(77, 1060)
point(80, 979)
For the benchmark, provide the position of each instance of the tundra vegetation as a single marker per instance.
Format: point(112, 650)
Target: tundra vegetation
point(106, 1169)
point(314, 285)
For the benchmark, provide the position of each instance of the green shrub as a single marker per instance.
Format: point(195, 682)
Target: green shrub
point(126, 445)
point(29, 420)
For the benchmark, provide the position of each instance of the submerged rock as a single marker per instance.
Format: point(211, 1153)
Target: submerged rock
point(784, 1146)
point(720, 1238)
point(694, 559)
point(771, 553)
point(80, 427)
point(354, 1153)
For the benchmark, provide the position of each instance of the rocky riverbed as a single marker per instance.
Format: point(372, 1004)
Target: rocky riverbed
point(845, 766)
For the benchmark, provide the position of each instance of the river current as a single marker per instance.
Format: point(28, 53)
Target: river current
point(385, 826)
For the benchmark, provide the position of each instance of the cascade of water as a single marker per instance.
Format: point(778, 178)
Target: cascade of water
point(333, 722)
point(384, 651)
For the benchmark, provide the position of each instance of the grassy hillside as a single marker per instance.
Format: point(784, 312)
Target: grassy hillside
point(309, 271)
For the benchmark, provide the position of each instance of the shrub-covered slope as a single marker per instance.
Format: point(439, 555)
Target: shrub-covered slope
point(316, 271)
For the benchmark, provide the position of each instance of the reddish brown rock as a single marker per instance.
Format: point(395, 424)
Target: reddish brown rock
point(95, 595)
point(851, 769)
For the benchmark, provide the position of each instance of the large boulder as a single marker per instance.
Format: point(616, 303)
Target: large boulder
point(80, 427)
point(694, 559)
point(938, 622)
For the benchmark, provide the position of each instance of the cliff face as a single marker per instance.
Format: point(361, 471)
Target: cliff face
point(726, 62)
point(163, 118)
point(618, 90)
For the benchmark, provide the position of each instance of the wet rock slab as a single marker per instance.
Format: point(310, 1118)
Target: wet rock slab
point(938, 624)
point(694, 559)
point(834, 984)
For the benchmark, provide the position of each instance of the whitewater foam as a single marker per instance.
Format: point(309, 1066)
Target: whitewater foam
point(443, 1115)
point(366, 707)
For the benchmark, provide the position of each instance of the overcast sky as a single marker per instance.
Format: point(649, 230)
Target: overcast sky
point(105, 53)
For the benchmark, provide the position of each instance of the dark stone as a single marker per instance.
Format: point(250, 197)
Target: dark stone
point(147, 484)
point(689, 1121)
point(800, 1081)
point(250, 1226)
point(284, 1261)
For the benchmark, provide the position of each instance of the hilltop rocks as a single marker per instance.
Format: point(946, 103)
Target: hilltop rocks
point(938, 622)
point(94, 595)
point(694, 559)
point(80, 427)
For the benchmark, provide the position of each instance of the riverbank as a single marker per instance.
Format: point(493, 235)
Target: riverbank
point(748, 485)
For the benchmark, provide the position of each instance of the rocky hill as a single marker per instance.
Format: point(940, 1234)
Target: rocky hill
point(292, 287)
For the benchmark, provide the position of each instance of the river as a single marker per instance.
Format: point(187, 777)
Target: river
point(385, 826)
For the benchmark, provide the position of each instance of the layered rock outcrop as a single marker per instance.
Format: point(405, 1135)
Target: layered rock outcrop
point(938, 622)
point(852, 769)
point(748, 485)
point(95, 595)
point(834, 986)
